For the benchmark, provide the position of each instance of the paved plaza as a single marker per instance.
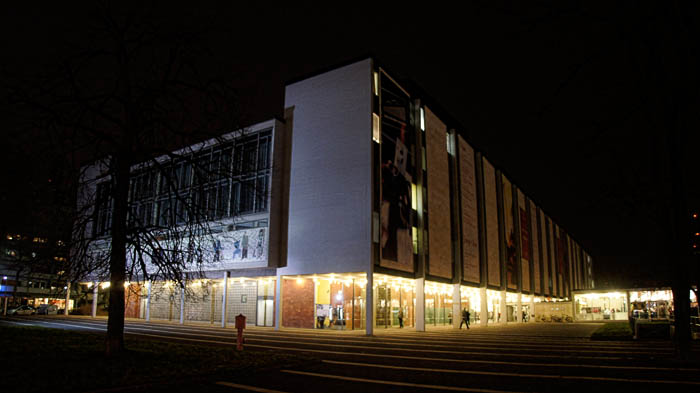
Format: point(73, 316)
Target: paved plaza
point(537, 357)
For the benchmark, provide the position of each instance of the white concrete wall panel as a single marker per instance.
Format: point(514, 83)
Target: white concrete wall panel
point(330, 178)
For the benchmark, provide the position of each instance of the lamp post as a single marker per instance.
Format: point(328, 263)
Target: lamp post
point(4, 289)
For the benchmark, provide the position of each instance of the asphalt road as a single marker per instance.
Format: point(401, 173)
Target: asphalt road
point(535, 357)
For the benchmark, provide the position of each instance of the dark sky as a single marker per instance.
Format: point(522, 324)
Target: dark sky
point(558, 96)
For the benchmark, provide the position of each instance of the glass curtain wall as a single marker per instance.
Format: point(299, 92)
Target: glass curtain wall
point(471, 300)
point(438, 304)
point(339, 301)
point(601, 306)
point(394, 295)
point(494, 305)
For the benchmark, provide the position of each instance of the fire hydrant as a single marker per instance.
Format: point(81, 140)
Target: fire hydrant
point(240, 325)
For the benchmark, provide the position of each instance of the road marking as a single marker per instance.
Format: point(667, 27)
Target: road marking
point(75, 326)
point(395, 383)
point(19, 323)
point(248, 387)
point(521, 375)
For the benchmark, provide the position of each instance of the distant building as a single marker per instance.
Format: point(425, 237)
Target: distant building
point(361, 203)
point(29, 269)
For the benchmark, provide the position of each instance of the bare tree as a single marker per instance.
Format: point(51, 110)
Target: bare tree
point(121, 103)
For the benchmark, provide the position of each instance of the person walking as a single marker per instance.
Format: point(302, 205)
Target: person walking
point(465, 318)
point(400, 318)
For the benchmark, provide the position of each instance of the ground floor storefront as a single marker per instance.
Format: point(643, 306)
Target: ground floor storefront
point(650, 304)
point(340, 301)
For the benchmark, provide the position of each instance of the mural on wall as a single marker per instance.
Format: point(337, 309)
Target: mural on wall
point(511, 241)
point(224, 250)
point(397, 165)
point(491, 211)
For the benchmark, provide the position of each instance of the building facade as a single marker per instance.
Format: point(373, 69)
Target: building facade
point(369, 210)
point(30, 270)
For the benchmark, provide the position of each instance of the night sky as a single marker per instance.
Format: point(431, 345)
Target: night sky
point(562, 98)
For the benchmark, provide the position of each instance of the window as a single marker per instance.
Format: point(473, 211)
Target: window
point(103, 210)
point(422, 119)
point(264, 153)
point(235, 197)
point(221, 181)
point(261, 194)
point(247, 196)
point(376, 130)
point(450, 144)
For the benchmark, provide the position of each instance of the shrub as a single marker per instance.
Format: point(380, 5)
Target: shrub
point(613, 331)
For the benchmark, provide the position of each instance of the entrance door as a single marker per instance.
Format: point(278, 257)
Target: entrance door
point(383, 306)
point(266, 308)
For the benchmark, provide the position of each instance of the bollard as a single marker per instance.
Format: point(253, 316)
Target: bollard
point(240, 325)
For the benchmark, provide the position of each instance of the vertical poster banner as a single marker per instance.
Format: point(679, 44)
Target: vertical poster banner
point(552, 260)
point(579, 267)
point(525, 254)
point(566, 273)
point(569, 264)
point(491, 211)
point(470, 226)
point(535, 249)
point(511, 241)
point(559, 260)
point(545, 252)
point(440, 215)
point(396, 168)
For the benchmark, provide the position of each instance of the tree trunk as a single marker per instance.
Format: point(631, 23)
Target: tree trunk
point(679, 251)
point(117, 266)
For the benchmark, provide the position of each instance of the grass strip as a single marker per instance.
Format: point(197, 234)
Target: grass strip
point(39, 359)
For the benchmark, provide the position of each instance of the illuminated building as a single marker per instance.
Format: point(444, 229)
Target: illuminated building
point(29, 270)
point(377, 205)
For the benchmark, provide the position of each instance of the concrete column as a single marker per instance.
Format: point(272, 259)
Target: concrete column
point(532, 309)
point(504, 317)
point(95, 292)
point(182, 304)
point(369, 304)
point(519, 308)
point(148, 300)
point(65, 310)
point(278, 303)
point(224, 294)
point(456, 305)
point(484, 316)
point(420, 304)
